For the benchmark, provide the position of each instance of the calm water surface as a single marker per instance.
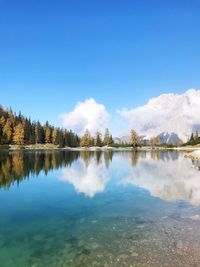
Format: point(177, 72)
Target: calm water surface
point(70, 209)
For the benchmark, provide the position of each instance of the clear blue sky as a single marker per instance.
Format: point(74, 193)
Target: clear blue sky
point(55, 53)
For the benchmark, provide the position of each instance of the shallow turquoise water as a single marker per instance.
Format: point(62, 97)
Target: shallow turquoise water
point(98, 209)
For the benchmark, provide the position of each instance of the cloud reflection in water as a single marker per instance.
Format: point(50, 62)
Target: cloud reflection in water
point(88, 178)
point(166, 175)
point(169, 178)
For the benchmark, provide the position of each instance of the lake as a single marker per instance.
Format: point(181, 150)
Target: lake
point(70, 209)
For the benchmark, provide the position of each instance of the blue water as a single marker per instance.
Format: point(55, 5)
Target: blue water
point(99, 209)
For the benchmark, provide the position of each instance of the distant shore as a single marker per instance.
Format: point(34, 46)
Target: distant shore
point(192, 151)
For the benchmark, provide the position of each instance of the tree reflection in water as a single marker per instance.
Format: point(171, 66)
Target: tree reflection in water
point(166, 175)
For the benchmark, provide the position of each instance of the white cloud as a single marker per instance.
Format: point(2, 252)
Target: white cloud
point(178, 113)
point(86, 115)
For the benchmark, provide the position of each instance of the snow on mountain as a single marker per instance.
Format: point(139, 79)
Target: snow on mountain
point(176, 115)
point(169, 138)
point(165, 138)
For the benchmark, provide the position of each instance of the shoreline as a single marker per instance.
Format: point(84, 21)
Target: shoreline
point(192, 151)
point(194, 155)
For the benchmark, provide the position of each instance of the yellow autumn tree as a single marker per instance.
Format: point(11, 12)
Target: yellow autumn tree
point(85, 140)
point(7, 132)
point(47, 134)
point(134, 139)
point(55, 136)
point(19, 134)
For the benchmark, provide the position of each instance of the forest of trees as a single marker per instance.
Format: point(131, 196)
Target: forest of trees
point(194, 139)
point(16, 129)
point(18, 165)
point(19, 130)
point(87, 140)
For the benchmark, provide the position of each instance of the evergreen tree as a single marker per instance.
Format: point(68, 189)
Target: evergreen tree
point(111, 140)
point(27, 130)
point(55, 136)
point(92, 140)
point(98, 140)
point(192, 137)
point(32, 137)
point(60, 139)
point(74, 140)
point(107, 138)
point(196, 136)
point(32, 133)
point(38, 133)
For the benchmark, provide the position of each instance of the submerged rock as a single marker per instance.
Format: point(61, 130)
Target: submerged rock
point(195, 217)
